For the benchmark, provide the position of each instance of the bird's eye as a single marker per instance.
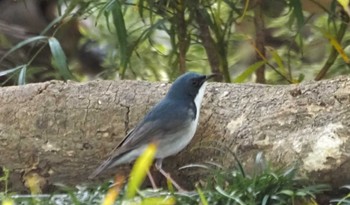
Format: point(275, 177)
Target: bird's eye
point(195, 82)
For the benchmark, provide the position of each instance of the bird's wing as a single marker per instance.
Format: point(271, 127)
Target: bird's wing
point(165, 118)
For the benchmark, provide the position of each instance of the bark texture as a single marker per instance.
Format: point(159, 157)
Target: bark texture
point(62, 131)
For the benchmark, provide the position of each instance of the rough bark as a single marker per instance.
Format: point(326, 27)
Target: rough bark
point(62, 131)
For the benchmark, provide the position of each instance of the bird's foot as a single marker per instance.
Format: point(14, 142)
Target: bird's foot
point(168, 177)
point(151, 179)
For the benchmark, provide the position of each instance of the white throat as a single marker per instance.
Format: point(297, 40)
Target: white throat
point(198, 99)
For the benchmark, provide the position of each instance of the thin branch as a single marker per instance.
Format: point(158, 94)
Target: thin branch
point(259, 40)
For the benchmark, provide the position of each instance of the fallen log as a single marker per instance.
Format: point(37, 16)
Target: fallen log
point(62, 131)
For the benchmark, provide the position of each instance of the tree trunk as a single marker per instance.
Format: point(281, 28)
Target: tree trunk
point(62, 131)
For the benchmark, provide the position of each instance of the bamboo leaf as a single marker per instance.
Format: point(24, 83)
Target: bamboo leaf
point(22, 75)
point(338, 47)
point(51, 25)
point(140, 6)
point(59, 58)
point(246, 6)
point(119, 24)
point(279, 62)
point(249, 71)
point(21, 44)
point(104, 8)
point(298, 13)
point(6, 72)
point(345, 5)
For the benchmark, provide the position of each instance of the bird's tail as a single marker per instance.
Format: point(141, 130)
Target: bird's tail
point(105, 165)
point(112, 161)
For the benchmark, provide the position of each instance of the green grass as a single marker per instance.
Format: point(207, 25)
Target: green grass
point(222, 186)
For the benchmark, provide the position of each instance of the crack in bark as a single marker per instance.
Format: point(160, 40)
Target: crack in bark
point(42, 89)
point(205, 128)
point(108, 87)
point(87, 107)
point(126, 119)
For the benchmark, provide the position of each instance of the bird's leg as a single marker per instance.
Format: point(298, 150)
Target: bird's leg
point(151, 179)
point(167, 175)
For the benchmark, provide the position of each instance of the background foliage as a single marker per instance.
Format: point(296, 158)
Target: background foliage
point(266, 41)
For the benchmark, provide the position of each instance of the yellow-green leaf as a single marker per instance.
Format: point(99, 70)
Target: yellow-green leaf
point(158, 201)
point(113, 192)
point(8, 202)
point(202, 197)
point(338, 47)
point(249, 71)
point(279, 62)
point(345, 5)
point(140, 169)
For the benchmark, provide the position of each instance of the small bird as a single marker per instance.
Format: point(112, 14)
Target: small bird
point(171, 124)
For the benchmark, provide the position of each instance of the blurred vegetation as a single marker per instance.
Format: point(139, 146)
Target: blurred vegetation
point(266, 41)
point(232, 186)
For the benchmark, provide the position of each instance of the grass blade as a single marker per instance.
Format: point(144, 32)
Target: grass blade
point(202, 198)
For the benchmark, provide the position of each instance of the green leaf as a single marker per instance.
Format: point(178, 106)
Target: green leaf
point(287, 192)
point(301, 77)
point(140, 6)
point(21, 44)
point(104, 8)
point(51, 25)
point(298, 13)
point(249, 71)
point(6, 72)
point(279, 62)
point(22, 75)
point(202, 197)
point(59, 58)
point(119, 24)
point(265, 200)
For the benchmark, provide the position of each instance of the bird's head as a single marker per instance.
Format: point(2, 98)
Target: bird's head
point(188, 85)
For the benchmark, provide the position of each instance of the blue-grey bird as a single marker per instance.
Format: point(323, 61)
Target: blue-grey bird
point(171, 124)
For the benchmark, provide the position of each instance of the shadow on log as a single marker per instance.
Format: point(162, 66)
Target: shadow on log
point(62, 131)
